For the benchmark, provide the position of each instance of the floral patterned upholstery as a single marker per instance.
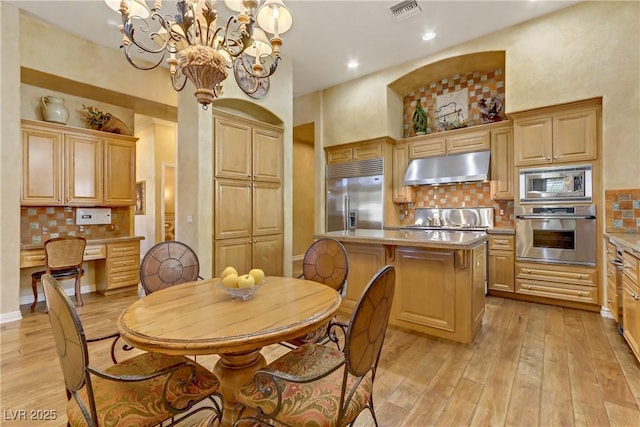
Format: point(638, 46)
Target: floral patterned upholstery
point(141, 403)
point(309, 404)
point(316, 385)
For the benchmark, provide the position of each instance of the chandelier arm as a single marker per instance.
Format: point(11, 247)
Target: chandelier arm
point(131, 61)
point(237, 39)
point(178, 81)
point(269, 63)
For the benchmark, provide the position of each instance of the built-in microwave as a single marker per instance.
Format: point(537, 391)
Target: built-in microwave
point(561, 184)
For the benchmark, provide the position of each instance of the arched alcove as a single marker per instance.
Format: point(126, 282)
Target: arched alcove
point(248, 109)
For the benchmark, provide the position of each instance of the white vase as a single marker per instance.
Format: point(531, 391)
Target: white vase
point(53, 110)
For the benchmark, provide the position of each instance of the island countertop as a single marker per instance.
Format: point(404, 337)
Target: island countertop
point(443, 239)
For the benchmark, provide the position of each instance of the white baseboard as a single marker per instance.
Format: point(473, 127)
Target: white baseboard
point(10, 317)
point(84, 289)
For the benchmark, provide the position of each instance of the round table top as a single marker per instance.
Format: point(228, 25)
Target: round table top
point(200, 318)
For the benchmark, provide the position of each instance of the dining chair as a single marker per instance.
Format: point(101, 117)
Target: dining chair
point(166, 264)
point(144, 390)
point(63, 259)
point(325, 261)
point(318, 385)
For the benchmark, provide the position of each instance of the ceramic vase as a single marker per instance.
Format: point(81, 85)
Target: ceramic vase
point(53, 110)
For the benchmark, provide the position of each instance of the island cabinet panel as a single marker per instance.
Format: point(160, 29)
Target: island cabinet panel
point(427, 294)
point(364, 261)
point(631, 301)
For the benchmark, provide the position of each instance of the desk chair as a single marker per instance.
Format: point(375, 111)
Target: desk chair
point(144, 390)
point(326, 262)
point(63, 259)
point(317, 384)
point(166, 264)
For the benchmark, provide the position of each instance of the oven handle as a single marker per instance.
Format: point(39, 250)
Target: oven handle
point(555, 217)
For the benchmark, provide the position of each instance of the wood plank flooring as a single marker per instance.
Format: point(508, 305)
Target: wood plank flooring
point(531, 365)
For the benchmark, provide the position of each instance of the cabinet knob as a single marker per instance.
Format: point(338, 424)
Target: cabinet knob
point(579, 294)
point(579, 276)
point(526, 271)
point(609, 275)
point(548, 158)
point(609, 300)
point(555, 157)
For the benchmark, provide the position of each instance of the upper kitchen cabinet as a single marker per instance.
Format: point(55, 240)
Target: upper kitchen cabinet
point(355, 152)
point(502, 163)
point(63, 166)
point(559, 134)
point(247, 150)
point(401, 192)
point(450, 142)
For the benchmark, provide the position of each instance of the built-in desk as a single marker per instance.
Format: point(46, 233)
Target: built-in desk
point(120, 268)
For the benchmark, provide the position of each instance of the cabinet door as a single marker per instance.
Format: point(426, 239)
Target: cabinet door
point(427, 296)
point(533, 141)
point(267, 254)
point(631, 314)
point(428, 148)
point(119, 172)
point(401, 193)
point(42, 173)
point(469, 141)
point(339, 155)
point(232, 210)
point(574, 136)
point(364, 262)
point(267, 208)
point(267, 155)
point(367, 151)
point(479, 275)
point(83, 170)
point(232, 157)
point(232, 252)
point(501, 270)
point(502, 164)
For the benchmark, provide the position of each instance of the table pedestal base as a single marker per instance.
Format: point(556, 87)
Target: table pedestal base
point(234, 370)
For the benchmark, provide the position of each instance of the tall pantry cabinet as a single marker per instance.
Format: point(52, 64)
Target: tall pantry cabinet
point(248, 224)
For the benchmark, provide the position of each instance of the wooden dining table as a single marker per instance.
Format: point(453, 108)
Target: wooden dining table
point(197, 318)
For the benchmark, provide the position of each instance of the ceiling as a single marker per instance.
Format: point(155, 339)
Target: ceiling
point(326, 35)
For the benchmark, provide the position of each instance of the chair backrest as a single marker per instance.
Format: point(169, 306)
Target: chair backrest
point(167, 264)
point(64, 252)
point(326, 261)
point(369, 321)
point(68, 334)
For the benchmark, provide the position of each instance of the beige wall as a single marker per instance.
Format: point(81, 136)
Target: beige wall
point(303, 195)
point(584, 51)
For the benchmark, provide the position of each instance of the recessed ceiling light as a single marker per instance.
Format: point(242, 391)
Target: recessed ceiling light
point(353, 64)
point(429, 35)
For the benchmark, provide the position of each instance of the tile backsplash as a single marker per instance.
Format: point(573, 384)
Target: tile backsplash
point(469, 195)
point(622, 211)
point(38, 224)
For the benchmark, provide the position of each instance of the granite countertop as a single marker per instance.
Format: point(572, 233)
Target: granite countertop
point(419, 238)
point(501, 230)
point(89, 242)
point(627, 241)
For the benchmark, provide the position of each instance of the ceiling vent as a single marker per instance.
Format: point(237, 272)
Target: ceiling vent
point(405, 9)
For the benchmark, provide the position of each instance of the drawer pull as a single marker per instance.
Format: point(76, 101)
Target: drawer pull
point(526, 271)
point(579, 293)
point(609, 300)
point(579, 276)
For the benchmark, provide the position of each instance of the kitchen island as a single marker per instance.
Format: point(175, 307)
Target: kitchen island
point(440, 277)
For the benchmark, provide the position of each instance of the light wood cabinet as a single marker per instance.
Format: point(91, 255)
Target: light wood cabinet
point(450, 142)
point(501, 263)
point(364, 262)
point(502, 164)
point(77, 167)
point(121, 269)
point(354, 152)
point(561, 282)
point(612, 289)
point(560, 134)
point(248, 200)
point(631, 301)
point(401, 193)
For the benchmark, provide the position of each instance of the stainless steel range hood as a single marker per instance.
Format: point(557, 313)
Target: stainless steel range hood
point(464, 167)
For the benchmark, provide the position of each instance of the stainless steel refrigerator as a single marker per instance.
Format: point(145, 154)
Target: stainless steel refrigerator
point(355, 194)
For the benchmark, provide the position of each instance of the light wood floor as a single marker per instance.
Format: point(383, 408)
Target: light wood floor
point(531, 365)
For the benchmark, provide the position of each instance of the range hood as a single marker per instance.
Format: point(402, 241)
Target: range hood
point(464, 167)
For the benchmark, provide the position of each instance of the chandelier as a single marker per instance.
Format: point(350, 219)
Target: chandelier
point(196, 49)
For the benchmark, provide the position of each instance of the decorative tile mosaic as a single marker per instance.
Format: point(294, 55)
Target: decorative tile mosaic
point(622, 211)
point(482, 87)
point(469, 195)
point(42, 223)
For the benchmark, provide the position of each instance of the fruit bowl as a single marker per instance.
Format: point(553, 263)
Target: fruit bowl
point(241, 293)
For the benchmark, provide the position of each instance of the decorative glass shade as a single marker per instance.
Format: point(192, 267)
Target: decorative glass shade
point(274, 17)
point(136, 7)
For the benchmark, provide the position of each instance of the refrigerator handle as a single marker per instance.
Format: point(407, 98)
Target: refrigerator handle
point(345, 213)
